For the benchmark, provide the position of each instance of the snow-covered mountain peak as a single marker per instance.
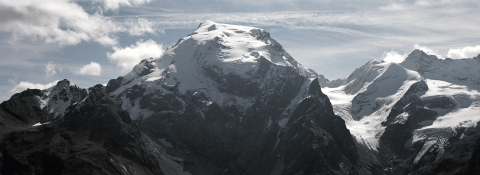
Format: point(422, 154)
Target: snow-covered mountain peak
point(63, 84)
point(417, 59)
point(216, 48)
point(237, 47)
point(58, 98)
point(458, 71)
point(227, 64)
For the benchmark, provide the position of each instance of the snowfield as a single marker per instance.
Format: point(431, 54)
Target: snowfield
point(213, 49)
point(367, 96)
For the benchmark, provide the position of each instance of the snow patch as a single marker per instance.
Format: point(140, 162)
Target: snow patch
point(165, 142)
point(283, 122)
point(39, 124)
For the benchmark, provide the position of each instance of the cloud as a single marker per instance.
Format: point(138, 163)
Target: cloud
point(53, 21)
point(394, 57)
point(24, 85)
point(115, 4)
point(93, 69)
point(428, 51)
point(393, 6)
point(131, 55)
point(466, 52)
point(65, 22)
point(139, 26)
point(50, 69)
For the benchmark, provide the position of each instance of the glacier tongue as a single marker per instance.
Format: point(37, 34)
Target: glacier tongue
point(366, 98)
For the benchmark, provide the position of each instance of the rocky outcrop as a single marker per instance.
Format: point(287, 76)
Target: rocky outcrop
point(95, 136)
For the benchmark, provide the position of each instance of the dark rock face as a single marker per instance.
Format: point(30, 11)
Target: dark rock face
point(325, 147)
point(25, 109)
point(456, 155)
point(441, 102)
point(402, 121)
point(213, 139)
point(461, 156)
point(95, 136)
point(404, 118)
point(22, 109)
point(114, 84)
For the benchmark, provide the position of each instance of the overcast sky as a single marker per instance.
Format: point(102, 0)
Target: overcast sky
point(92, 41)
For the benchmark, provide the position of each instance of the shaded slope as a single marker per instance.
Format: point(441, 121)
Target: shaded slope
point(95, 136)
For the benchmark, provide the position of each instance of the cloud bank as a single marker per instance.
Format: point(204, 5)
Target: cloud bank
point(93, 69)
point(466, 52)
point(394, 57)
point(115, 4)
point(131, 55)
point(64, 22)
point(53, 21)
point(24, 85)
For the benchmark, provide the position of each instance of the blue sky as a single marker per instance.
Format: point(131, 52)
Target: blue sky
point(91, 42)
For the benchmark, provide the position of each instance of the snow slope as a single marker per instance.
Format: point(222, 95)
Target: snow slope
point(367, 97)
point(58, 98)
point(206, 60)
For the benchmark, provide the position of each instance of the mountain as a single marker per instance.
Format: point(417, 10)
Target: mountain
point(93, 136)
point(229, 99)
point(414, 114)
point(226, 99)
point(39, 106)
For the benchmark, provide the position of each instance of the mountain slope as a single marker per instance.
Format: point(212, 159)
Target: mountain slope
point(38, 106)
point(230, 99)
point(94, 136)
point(224, 100)
point(410, 111)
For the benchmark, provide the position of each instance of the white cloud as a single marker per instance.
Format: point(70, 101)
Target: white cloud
point(91, 69)
point(115, 4)
point(131, 55)
point(53, 21)
point(24, 85)
point(466, 52)
point(393, 6)
point(428, 51)
point(50, 69)
point(394, 57)
point(64, 22)
point(106, 41)
point(139, 26)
